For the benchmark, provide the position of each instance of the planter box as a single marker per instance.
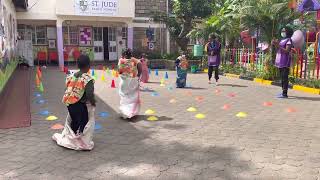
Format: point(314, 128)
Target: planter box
point(306, 89)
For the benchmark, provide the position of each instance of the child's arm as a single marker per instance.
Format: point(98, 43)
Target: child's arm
point(90, 93)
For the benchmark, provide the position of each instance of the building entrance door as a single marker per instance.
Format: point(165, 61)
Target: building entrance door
point(98, 43)
point(105, 43)
point(25, 43)
point(113, 55)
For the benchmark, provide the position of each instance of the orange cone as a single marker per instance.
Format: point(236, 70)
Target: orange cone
point(117, 74)
point(113, 84)
point(37, 80)
point(66, 70)
point(39, 72)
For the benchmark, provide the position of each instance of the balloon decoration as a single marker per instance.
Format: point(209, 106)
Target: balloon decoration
point(298, 39)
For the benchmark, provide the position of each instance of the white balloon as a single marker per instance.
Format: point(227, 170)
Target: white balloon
point(298, 39)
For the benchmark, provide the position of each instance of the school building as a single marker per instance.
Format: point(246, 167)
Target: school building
point(58, 31)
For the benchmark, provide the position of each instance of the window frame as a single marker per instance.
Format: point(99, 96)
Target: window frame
point(97, 32)
point(35, 28)
point(67, 34)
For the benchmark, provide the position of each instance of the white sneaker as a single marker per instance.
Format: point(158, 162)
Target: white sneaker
point(217, 84)
point(209, 82)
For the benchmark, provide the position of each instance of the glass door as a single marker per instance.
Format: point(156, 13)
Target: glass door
point(112, 44)
point(98, 43)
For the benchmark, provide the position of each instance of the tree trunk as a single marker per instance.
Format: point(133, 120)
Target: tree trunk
point(183, 43)
point(182, 39)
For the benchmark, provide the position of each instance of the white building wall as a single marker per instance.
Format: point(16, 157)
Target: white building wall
point(54, 9)
point(40, 10)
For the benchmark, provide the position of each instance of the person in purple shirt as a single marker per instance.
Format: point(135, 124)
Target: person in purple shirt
point(213, 50)
point(283, 58)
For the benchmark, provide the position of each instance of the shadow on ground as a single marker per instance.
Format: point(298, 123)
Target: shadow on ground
point(232, 85)
point(305, 98)
point(145, 118)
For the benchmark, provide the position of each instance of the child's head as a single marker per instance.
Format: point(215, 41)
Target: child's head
point(128, 54)
point(286, 32)
point(84, 63)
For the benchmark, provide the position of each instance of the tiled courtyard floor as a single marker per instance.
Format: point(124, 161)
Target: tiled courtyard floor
point(270, 143)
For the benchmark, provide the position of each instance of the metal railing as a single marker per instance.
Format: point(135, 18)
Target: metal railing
point(305, 65)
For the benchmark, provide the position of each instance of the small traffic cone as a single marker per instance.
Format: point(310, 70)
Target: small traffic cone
point(162, 84)
point(39, 72)
point(92, 72)
point(41, 89)
point(66, 70)
point(117, 74)
point(167, 76)
point(108, 71)
point(37, 81)
point(157, 72)
point(113, 84)
point(102, 77)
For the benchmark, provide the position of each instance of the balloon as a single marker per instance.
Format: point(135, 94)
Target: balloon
point(298, 39)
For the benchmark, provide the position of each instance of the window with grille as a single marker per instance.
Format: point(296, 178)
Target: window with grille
point(97, 34)
point(124, 33)
point(70, 35)
point(39, 35)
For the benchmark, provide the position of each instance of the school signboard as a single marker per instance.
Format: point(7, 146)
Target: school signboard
point(96, 7)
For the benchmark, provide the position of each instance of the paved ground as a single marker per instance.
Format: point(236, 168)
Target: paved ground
point(270, 143)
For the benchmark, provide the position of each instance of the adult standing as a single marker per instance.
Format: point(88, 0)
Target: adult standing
point(283, 58)
point(214, 51)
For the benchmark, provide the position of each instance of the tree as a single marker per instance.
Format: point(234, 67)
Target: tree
point(225, 21)
point(268, 16)
point(183, 20)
